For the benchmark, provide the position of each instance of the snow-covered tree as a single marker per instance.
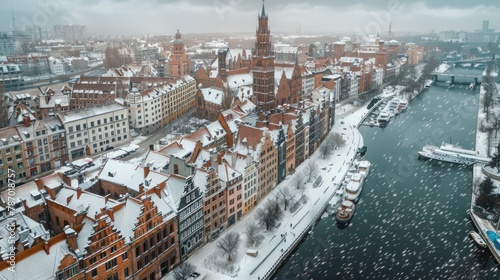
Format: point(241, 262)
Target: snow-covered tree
point(183, 271)
point(229, 244)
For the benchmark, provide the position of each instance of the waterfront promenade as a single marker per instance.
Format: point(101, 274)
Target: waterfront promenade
point(281, 241)
point(482, 147)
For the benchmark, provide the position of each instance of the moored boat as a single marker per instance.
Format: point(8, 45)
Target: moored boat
point(354, 187)
point(452, 153)
point(364, 167)
point(345, 212)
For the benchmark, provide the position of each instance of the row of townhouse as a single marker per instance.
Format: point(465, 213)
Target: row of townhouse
point(35, 146)
point(140, 221)
point(63, 135)
point(92, 236)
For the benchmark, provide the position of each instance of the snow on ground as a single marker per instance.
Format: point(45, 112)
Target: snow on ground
point(442, 68)
point(482, 147)
point(275, 248)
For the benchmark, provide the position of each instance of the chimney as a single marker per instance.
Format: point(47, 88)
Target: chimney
point(146, 171)
point(151, 147)
point(68, 199)
point(141, 188)
point(25, 205)
point(213, 159)
point(46, 247)
point(78, 192)
point(157, 191)
point(111, 214)
point(106, 198)
point(71, 238)
point(219, 158)
point(26, 120)
point(47, 98)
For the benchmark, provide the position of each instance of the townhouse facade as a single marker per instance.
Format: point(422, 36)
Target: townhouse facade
point(93, 130)
point(153, 108)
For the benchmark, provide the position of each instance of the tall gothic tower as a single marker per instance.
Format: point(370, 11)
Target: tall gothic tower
point(263, 65)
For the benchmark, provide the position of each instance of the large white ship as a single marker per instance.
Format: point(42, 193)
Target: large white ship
point(452, 153)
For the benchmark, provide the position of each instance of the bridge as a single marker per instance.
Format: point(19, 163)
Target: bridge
point(452, 76)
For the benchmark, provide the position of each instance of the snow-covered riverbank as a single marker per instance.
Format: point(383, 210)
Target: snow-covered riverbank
point(280, 241)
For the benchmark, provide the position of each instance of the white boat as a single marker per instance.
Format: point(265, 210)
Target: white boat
point(383, 118)
point(345, 212)
point(354, 187)
point(478, 239)
point(428, 83)
point(452, 153)
point(403, 104)
point(364, 167)
point(335, 202)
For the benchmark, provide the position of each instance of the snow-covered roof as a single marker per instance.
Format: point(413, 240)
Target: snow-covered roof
point(55, 100)
point(126, 217)
point(76, 115)
point(130, 175)
point(86, 202)
point(155, 160)
point(213, 95)
point(27, 232)
point(29, 192)
point(39, 265)
point(216, 130)
point(237, 80)
point(200, 179)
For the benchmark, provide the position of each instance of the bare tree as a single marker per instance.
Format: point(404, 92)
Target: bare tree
point(329, 141)
point(285, 195)
point(229, 244)
point(338, 140)
point(487, 102)
point(269, 214)
point(311, 170)
point(252, 231)
point(325, 150)
point(298, 180)
point(495, 122)
point(183, 271)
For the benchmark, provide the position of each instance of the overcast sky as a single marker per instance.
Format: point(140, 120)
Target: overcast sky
point(201, 16)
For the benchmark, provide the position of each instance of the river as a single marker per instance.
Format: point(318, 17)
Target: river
point(412, 220)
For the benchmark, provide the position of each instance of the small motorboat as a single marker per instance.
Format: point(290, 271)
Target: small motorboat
point(477, 237)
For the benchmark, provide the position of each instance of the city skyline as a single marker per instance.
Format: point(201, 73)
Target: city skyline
point(226, 16)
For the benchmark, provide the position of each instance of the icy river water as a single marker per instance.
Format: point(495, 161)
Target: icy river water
point(412, 220)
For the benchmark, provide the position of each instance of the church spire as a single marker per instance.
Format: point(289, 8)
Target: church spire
point(263, 13)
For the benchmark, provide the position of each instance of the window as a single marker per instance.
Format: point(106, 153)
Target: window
point(125, 271)
point(110, 264)
point(94, 273)
point(125, 256)
point(113, 249)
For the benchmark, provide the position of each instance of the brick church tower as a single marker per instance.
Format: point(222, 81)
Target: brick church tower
point(179, 64)
point(263, 65)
